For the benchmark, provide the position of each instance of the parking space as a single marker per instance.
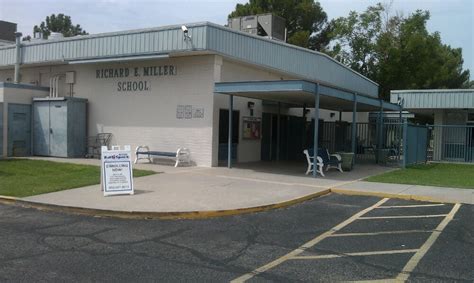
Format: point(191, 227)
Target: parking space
point(327, 239)
point(385, 241)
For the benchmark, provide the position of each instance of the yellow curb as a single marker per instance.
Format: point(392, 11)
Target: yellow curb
point(203, 214)
point(349, 192)
point(155, 215)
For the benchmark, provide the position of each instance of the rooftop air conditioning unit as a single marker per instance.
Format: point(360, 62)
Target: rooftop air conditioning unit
point(56, 35)
point(267, 25)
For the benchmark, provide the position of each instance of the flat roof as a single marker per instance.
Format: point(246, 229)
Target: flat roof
point(302, 93)
point(434, 98)
point(206, 38)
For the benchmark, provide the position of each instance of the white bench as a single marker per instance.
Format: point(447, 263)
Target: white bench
point(311, 165)
point(182, 155)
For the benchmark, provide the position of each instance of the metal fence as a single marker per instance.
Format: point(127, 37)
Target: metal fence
point(451, 143)
point(375, 142)
point(398, 144)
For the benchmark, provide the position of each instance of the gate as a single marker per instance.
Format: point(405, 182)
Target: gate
point(416, 147)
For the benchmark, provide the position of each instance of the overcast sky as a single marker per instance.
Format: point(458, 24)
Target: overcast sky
point(452, 18)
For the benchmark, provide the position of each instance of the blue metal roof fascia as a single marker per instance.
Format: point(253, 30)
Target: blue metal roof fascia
point(391, 106)
point(298, 85)
point(264, 86)
point(336, 93)
point(107, 45)
point(377, 103)
point(435, 98)
point(293, 60)
point(23, 86)
point(120, 59)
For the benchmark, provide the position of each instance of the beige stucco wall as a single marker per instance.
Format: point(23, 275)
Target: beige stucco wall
point(145, 117)
point(232, 71)
point(150, 117)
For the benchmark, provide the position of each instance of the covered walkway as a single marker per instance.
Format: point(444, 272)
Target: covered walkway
point(305, 94)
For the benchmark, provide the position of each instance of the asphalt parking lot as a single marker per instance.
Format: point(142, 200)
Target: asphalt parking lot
point(331, 238)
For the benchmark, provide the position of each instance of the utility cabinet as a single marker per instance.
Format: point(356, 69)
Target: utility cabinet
point(59, 126)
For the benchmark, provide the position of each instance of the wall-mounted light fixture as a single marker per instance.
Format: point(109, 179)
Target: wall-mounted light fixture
point(251, 106)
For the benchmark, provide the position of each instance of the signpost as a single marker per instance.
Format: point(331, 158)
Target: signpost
point(116, 171)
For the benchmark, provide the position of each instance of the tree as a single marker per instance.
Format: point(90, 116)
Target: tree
point(306, 21)
point(397, 52)
point(58, 23)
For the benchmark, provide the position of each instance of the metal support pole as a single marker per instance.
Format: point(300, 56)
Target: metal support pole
point(316, 129)
point(405, 145)
point(303, 134)
point(354, 128)
point(16, 78)
point(278, 133)
point(380, 133)
point(229, 141)
point(400, 130)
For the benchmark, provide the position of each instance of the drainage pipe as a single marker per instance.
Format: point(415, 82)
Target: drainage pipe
point(16, 78)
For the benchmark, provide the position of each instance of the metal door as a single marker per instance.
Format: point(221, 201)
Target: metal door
point(41, 128)
point(19, 129)
point(58, 128)
point(417, 144)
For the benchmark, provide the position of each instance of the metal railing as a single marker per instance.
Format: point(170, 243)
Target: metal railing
point(451, 143)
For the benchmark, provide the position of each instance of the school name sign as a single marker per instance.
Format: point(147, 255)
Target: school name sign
point(135, 79)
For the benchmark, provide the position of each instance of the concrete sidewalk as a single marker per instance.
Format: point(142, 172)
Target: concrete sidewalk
point(191, 189)
point(428, 192)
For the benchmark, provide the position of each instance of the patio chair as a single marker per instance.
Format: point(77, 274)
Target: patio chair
point(95, 143)
point(310, 160)
point(330, 160)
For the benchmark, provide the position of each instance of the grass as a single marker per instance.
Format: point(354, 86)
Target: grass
point(435, 174)
point(23, 177)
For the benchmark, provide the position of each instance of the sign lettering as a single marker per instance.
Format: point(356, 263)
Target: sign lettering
point(131, 74)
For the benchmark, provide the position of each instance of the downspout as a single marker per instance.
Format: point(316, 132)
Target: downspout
point(51, 87)
point(18, 57)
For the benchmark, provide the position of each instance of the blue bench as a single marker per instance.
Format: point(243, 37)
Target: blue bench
point(182, 155)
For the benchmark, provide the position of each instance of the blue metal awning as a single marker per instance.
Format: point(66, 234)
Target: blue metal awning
point(301, 92)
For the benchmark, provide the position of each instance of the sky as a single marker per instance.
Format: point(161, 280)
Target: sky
point(452, 18)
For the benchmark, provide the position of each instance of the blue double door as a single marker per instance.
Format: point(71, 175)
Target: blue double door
point(50, 128)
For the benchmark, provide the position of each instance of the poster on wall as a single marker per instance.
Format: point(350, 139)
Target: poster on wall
point(251, 128)
point(116, 171)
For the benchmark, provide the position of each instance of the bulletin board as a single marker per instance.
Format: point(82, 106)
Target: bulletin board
point(251, 127)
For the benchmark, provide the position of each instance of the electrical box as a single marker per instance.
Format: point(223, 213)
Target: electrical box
point(59, 126)
point(71, 77)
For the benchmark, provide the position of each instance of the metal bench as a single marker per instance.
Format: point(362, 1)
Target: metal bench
point(182, 155)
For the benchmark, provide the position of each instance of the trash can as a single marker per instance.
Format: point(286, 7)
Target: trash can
point(347, 160)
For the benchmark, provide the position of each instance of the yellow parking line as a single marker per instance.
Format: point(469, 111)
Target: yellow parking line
point(387, 280)
point(307, 245)
point(410, 206)
point(415, 259)
point(402, 216)
point(389, 252)
point(380, 233)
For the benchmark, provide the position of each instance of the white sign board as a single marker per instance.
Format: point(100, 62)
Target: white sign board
point(116, 171)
